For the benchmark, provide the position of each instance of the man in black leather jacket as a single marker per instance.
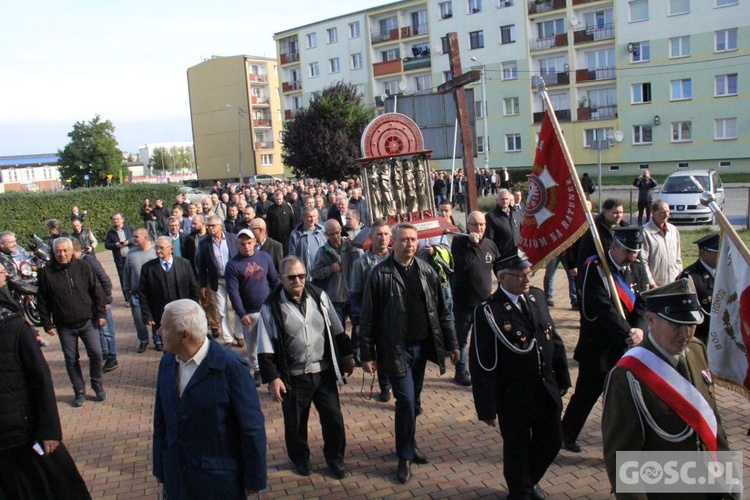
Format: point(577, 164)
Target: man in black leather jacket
point(404, 324)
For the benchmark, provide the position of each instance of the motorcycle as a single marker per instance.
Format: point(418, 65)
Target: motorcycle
point(28, 266)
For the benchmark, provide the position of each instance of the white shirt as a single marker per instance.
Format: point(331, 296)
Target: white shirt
point(513, 298)
point(187, 368)
point(710, 269)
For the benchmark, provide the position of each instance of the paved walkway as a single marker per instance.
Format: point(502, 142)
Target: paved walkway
point(111, 441)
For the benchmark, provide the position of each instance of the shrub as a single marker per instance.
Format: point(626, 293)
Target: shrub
point(24, 213)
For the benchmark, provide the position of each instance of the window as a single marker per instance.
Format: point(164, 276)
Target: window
point(592, 135)
point(683, 165)
point(641, 52)
point(510, 70)
point(420, 49)
point(446, 10)
point(677, 7)
point(725, 163)
point(726, 85)
point(444, 45)
point(679, 46)
point(266, 159)
point(390, 54)
point(447, 76)
point(479, 109)
point(297, 102)
point(357, 60)
point(332, 35)
point(552, 66)
point(725, 129)
point(726, 40)
point(724, 3)
point(640, 93)
point(510, 106)
point(512, 143)
point(314, 69)
point(508, 34)
point(354, 31)
point(614, 168)
point(681, 89)
point(643, 166)
point(480, 144)
point(476, 39)
point(333, 65)
point(638, 10)
point(475, 6)
point(314, 96)
point(391, 87)
point(312, 40)
point(548, 29)
point(423, 83)
point(641, 134)
point(388, 24)
point(682, 131)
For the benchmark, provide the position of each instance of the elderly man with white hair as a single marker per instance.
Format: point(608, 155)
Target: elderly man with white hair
point(201, 382)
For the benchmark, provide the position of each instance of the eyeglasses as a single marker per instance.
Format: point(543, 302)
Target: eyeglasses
point(295, 277)
point(522, 276)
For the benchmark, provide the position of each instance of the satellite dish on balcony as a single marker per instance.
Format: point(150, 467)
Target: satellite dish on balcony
point(574, 21)
point(402, 86)
point(619, 136)
point(438, 48)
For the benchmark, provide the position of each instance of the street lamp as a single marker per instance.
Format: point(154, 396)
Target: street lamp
point(240, 113)
point(485, 139)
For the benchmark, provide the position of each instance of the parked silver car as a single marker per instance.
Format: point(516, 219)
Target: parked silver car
point(682, 191)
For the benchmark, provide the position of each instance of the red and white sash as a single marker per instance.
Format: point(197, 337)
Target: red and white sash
point(676, 392)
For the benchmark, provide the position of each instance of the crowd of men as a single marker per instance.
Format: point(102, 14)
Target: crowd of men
point(273, 272)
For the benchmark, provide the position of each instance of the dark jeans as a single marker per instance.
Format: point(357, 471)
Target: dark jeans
point(463, 315)
point(644, 206)
point(549, 279)
point(589, 386)
point(531, 441)
point(141, 329)
point(320, 389)
point(69, 342)
point(408, 393)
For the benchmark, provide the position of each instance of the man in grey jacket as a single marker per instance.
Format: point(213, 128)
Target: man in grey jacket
point(332, 268)
point(137, 256)
point(307, 238)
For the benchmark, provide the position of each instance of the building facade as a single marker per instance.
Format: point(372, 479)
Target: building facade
point(654, 84)
point(29, 173)
point(236, 117)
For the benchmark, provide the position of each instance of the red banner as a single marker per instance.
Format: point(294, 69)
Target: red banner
point(554, 217)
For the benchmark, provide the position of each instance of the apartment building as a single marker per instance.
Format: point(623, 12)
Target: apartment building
point(236, 116)
point(638, 83)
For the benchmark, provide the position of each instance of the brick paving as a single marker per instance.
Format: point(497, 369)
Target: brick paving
point(111, 441)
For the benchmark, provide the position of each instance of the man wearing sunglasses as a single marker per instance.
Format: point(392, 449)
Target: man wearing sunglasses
point(302, 352)
point(520, 373)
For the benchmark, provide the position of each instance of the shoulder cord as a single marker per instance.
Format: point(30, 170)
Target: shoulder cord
point(637, 392)
point(583, 289)
point(491, 321)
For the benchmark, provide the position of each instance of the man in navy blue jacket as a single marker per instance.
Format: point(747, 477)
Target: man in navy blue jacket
point(200, 382)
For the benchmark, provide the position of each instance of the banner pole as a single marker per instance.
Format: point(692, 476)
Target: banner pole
point(708, 199)
point(579, 190)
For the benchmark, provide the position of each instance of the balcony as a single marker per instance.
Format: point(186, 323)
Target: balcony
point(259, 99)
point(560, 40)
point(420, 62)
point(541, 6)
point(594, 34)
point(596, 74)
point(263, 145)
point(262, 122)
point(384, 36)
point(409, 31)
point(289, 57)
point(257, 78)
point(386, 67)
point(581, 2)
point(552, 79)
point(291, 86)
point(597, 113)
point(563, 115)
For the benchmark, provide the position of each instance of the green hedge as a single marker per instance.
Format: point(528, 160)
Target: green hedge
point(24, 213)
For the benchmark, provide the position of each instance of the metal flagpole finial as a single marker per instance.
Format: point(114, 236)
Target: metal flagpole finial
point(707, 197)
point(539, 83)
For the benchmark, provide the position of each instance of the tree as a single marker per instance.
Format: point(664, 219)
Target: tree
point(92, 151)
point(171, 159)
point(323, 140)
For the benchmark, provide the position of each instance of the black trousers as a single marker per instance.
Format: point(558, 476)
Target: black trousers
point(531, 441)
point(589, 386)
point(319, 389)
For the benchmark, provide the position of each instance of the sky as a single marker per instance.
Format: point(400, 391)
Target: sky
point(65, 61)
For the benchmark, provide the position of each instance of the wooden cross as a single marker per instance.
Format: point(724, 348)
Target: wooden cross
point(456, 85)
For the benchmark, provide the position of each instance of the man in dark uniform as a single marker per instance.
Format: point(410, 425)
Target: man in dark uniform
point(517, 356)
point(703, 272)
point(605, 334)
point(638, 415)
point(606, 221)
